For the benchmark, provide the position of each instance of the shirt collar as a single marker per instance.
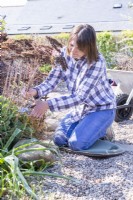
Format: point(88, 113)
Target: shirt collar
point(79, 61)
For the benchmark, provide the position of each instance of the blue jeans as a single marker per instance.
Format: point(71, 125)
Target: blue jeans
point(83, 134)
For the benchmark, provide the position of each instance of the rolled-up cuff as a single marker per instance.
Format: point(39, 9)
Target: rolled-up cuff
point(51, 105)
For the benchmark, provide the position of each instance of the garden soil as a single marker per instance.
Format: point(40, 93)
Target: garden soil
point(24, 55)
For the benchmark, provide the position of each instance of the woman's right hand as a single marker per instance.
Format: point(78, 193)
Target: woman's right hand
point(29, 94)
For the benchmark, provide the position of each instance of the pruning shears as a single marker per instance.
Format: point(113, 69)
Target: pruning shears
point(26, 109)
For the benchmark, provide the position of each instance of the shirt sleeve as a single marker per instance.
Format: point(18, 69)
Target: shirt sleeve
point(50, 83)
point(90, 79)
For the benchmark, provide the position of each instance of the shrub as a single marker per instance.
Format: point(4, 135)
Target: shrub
point(2, 25)
point(45, 68)
point(125, 42)
point(107, 46)
point(62, 37)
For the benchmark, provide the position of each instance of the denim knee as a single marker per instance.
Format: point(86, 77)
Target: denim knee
point(75, 145)
point(60, 140)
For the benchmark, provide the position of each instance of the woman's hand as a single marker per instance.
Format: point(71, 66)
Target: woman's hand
point(40, 109)
point(29, 94)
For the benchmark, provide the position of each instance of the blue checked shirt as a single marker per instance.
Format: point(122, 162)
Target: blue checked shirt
point(88, 86)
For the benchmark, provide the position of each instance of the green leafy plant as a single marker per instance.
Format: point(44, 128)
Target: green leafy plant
point(62, 38)
point(10, 119)
point(45, 68)
point(125, 43)
point(106, 45)
point(13, 169)
point(2, 25)
point(21, 37)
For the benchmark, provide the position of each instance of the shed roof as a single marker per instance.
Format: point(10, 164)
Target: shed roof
point(55, 16)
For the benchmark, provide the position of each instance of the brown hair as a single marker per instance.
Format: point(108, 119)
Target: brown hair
point(86, 41)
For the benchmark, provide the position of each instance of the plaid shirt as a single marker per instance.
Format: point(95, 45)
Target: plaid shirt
point(88, 86)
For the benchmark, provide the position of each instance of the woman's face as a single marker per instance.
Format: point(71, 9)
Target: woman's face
point(74, 51)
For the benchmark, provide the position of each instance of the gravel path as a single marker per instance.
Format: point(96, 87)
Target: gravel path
point(95, 179)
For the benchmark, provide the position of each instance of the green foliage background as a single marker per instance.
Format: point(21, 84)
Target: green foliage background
point(109, 44)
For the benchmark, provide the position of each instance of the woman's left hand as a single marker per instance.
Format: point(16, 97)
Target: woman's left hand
point(40, 109)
